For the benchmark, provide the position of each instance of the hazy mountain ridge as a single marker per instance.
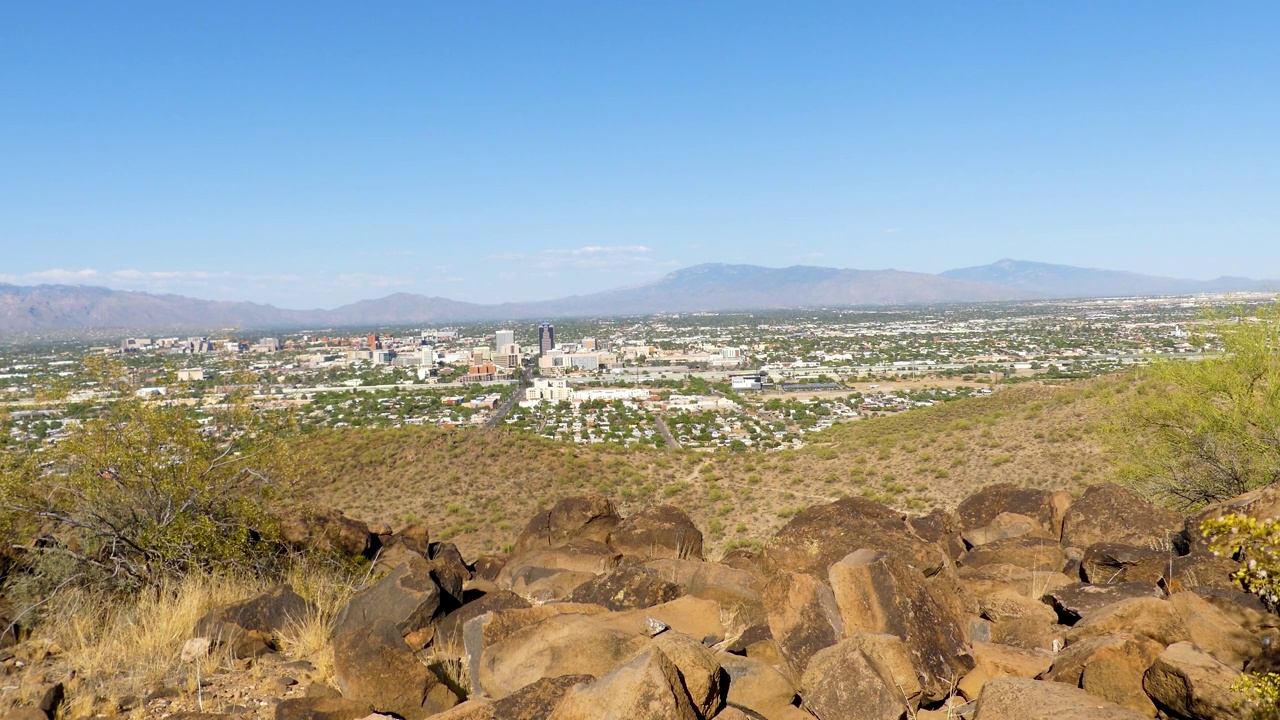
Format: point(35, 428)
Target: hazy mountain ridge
point(708, 287)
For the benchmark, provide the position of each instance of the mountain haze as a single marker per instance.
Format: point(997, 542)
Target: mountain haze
point(709, 287)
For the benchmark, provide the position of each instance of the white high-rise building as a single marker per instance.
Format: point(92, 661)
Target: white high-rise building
point(503, 338)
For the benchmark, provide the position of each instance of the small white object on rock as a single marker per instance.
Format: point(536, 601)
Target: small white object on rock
point(194, 649)
point(655, 626)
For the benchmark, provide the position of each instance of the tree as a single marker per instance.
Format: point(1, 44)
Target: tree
point(145, 491)
point(1194, 433)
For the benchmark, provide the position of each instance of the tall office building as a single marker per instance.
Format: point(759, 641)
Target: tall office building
point(546, 338)
point(502, 338)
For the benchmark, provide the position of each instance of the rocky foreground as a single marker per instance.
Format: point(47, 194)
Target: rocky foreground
point(1019, 604)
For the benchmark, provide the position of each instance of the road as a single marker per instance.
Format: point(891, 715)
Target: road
point(510, 402)
point(666, 432)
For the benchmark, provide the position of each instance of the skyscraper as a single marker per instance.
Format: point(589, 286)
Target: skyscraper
point(546, 338)
point(502, 338)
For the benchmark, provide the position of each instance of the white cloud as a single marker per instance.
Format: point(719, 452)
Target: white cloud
point(595, 257)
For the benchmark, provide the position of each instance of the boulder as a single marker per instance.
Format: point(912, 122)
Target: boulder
point(568, 644)
point(1022, 699)
point(821, 535)
point(1186, 572)
point(1028, 633)
point(487, 567)
point(324, 530)
point(1214, 631)
point(704, 680)
point(590, 517)
point(756, 685)
point(537, 700)
point(493, 627)
point(250, 627)
point(1028, 553)
point(1188, 683)
point(658, 532)
point(941, 528)
point(879, 593)
point(892, 661)
point(803, 617)
point(449, 629)
point(1154, 618)
point(1108, 562)
point(410, 597)
point(841, 683)
point(1005, 526)
point(625, 588)
point(736, 590)
point(1007, 603)
point(372, 664)
point(1111, 667)
point(544, 585)
point(1006, 661)
point(1045, 507)
point(1262, 504)
point(1080, 601)
point(1110, 513)
point(583, 556)
point(648, 686)
point(689, 615)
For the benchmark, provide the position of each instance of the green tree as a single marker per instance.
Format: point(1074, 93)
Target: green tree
point(1194, 433)
point(145, 491)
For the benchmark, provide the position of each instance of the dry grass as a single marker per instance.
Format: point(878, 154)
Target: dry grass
point(477, 488)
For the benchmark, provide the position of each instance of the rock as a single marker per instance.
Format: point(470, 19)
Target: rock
point(488, 566)
point(1029, 553)
point(449, 629)
point(537, 700)
point(1028, 633)
point(1045, 507)
point(841, 683)
point(756, 685)
point(625, 588)
point(803, 617)
point(248, 628)
point(664, 531)
point(543, 585)
point(1007, 661)
point(689, 615)
point(821, 535)
point(1108, 562)
point(1188, 683)
point(892, 661)
point(1186, 572)
point(326, 530)
point(646, 687)
point(1111, 667)
point(1262, 504)
point(410, 597)
point(1156, 619)
point(590, 517)
point(704, 680)
point(582, 556)
point(878, 593)
point(372, 664)
point(473, 709)
point(1022, 699)
point(1215, 632)
point(493, 627)
point(1007, 603)
point(742, 559)
point(320, 708)
point(941, 528)
point(1005, 526)
point(1110, 513)
point(570, 644)
point(1080, 601)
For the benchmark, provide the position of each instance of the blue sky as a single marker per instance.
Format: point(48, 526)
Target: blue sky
point(310, 154)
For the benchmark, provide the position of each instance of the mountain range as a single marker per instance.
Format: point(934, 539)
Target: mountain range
point(709, 287)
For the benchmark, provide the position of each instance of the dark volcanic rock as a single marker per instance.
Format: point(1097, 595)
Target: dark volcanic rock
point(626, 588)
point(1044, 506)
point(1078, 601)
point(1110, 513)
point(821, 535)
point(658, 532)
point(589, 517)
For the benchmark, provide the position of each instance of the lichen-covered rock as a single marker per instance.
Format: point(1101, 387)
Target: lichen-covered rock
point(625, 588)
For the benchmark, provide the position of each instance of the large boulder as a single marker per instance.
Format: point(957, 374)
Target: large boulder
point(704, 680)
point(626, 588)
point(568, 644)
point(1029, 553)
point(449, 629)
point(1046, 507)
point(941, 528)
point(320, 708)
point(1108, 562)
point(658, 532)
point(590, 517)
point(879, 593)
point(648, 686)
point(1110, 513)
point(372, 664)
point(821, 535)
point(1005, 526)
point(1214, 631)
point(490, 628)
point(756, 685)
point(1079, 601)
point(1261, 504)
point(583, 556)
point(1111, 667)
point(1152, 617)
point(803, 617)
point(841, 683)
point(1022, 699)
point(1188, 683)
point(325, 530)
point(411, 597)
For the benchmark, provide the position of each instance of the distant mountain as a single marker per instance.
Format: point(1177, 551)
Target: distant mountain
point(1065, 281)
point(712, 287)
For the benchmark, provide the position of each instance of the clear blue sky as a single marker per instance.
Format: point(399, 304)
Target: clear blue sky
point(308, 154)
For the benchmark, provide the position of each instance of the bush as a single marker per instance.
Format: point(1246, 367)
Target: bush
point(1256, 543)
point(145, 492)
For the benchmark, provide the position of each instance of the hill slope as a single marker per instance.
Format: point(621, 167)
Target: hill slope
point(1065, 281)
